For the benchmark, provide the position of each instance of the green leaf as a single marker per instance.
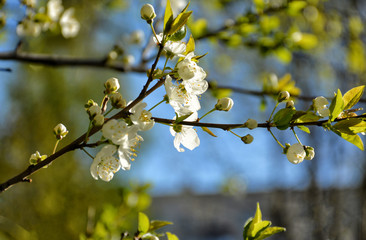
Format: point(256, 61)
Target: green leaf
point(190, 45)
point(168, 17)
point(179, 22)
point(143, 223)
point(171, 236)
point(246, 228)
point(344, 126)
point(208, 131)
point(156, 224)
point(336, 107)
point(269, 232)
point(305, 129)
point(259, 227)
point(307, 117)
point(283, 118)
point(352, 138)
point(351, 97)
point(182, 118)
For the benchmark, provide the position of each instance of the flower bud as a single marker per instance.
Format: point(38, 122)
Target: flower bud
point(148, 12)
point(117, 100)
point(89, 104)
point(36, 158)
point(111, 85)
point(60, 131)
point(283, 96)
point(310, 153)
point(98, 120)
point(296, 153)
point(251, 124)
point(290, 104)
point(93, 111)
point(224, 104)
point(177, 127)
point(247, 139)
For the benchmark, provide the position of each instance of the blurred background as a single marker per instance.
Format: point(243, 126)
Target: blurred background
point(209, 192)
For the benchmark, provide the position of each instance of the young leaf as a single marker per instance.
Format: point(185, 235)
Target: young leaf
point(208, 131)
point(190, 45)
point(179, 22)
point(182, 118)
point(168, 17)
point(354, 139)
point(336, 107)
point(143, 223)
point(171, 236)
point(345, 126)
point(307, 117)
point(303, 128)
point(283, 118)
point(156, 224)
point(269, 232)
point(351, 97)
point(246, 228)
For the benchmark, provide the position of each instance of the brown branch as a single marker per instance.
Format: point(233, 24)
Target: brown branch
point(51, 60)
point(78, 143)
point(227, 127)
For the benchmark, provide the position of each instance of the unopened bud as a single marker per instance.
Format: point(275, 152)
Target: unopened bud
point(283, 96)
point(98, 120)
point(117, 100)
point(177, 127)
point(111, 85)
point(93, 111)
point(310, 153)
point(89, 104)
point(224, 104)
point(247, 139)
point(60, 131)
point(36, 158)
point(290, 104)
point(251, 124)
point(148, 12)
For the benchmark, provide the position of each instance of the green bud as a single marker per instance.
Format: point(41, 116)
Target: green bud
point(247, 139)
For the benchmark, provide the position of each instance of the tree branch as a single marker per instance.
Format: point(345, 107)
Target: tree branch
point(52, 60)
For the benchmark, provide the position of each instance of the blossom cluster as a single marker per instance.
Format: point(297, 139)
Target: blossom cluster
point(51, 17)
point(121, 135)
point(183, 95)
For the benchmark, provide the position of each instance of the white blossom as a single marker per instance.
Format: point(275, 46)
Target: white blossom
point(179, 98)
point(141, 117)
point(137, 37)
point(320, 106)
point(296, 153)
point(171, 47)
point(105, 165)
point(54, 9)
point(192, 75)
point(69, 25)
point(125, 137)
point(187, 136)
point(29, 27)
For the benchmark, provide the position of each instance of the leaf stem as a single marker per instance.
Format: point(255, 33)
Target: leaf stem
point(156, 105)
point(275, 138)
point(54, 149)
